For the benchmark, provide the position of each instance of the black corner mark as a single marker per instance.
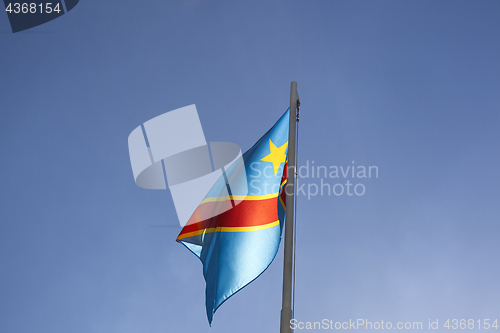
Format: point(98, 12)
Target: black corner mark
point(26, 14)
point(70, 4)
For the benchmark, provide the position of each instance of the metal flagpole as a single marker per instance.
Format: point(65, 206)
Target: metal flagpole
point(286, 307)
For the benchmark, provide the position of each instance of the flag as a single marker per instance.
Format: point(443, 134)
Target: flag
point(237, 245)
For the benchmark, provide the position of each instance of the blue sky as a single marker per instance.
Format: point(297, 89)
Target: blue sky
point(408, 86)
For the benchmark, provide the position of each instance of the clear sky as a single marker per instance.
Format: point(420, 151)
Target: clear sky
point(411, 87)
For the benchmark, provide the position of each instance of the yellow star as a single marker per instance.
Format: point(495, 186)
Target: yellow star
point(277, 155)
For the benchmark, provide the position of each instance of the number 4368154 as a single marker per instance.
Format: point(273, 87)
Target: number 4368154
point(32, 8)
point(470, 324)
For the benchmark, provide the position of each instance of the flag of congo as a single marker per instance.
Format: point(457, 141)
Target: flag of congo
point(238, 245)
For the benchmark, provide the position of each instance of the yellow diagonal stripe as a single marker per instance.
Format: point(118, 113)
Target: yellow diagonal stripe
point(240, 197)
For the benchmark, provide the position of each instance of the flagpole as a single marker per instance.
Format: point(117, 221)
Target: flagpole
point(286, 307)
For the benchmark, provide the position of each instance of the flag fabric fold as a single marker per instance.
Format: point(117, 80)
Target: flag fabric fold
point(237, 245)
